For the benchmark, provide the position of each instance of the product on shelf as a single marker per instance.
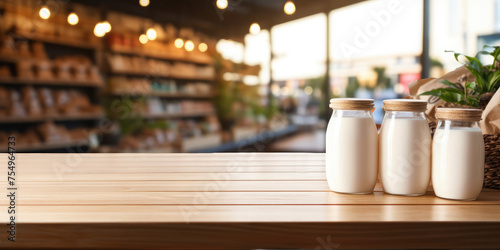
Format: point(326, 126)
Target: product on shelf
point(4, 102)
point(39, 51)
point(23, 49)
point(16, 107)
point(8, 47)
point(51, 133)
point(25, 70)
point(43, 70)
point(31, 101)
point(47, 101)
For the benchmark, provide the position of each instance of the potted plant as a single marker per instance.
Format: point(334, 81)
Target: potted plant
point(476, 93)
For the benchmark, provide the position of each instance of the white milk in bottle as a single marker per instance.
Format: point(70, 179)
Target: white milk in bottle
point(351, 146)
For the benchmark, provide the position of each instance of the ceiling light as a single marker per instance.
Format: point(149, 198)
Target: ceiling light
point(143, 39)
point(151, 33)
point(73, 18)
point(222, 4)
point(189, 46)
point(179, 43)
point(44, 12)
point(144, 3)
point(203, 47)
point(254, 28)
point(289, 8)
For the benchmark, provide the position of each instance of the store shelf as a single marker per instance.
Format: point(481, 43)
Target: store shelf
point(178, 115)
point(156, 55)
point(160, 75)
point(264, 136)
point(34, 119)
point(82, 44)
point(166, 95)
point(48, 146)
point(55, 82)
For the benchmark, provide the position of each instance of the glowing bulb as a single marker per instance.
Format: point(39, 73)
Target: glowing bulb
point(44, 12)
point(73, 18)
point(151, 33)
point(178, 43)
point(144, 3)
point(222, 4)
point(203, 47)
point(254, 28)
point(189, 46)
point(289, 8)
point(143, 39)
point(99, 30)
point(106, 26)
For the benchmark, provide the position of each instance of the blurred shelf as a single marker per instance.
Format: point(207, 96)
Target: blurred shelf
point(160, 75)
point(116, 149)
point(48, 146)
point(178, 115)
point(263, 136)
point(156, 55)
point(59, 40)
point(55, 82)
point(166, 95)
point(59, 117)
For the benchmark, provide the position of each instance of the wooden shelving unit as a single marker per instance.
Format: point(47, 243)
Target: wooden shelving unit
point(54, 82)
point(58, 117)
point(68, 42)
point(178, 115)
point(158, 74)
point(48, 146)
point(160, 55)
point(166, 95)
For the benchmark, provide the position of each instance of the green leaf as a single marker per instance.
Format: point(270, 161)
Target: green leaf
point(453, 85)
point(473, 62)
point(481, 82)
point(493, 80)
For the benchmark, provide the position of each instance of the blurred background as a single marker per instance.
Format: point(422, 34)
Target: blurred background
point(215, 75)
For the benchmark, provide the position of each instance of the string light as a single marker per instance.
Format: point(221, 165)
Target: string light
point(106, 26)
point(179, 43)
point(144, 3)
point(189, 45)
point(143, 39)
point(203, 47)
point(222, 4)
point(151, 33)
point(99, 30)
point(254, 28)
point(73, 18)
point(44, 12)
point(289, 8)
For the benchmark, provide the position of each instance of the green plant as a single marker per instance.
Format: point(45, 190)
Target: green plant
point(476, 93)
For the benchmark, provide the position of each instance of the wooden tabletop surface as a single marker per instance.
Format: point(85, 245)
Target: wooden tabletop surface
point(225, 201)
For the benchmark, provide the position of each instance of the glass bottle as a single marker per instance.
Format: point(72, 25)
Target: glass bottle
point(405, 148)
point(458, 154)
point(351, 146)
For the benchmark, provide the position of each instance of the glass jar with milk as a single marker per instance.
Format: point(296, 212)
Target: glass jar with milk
point(405, 148)
point(458, 154)
point(351, 146)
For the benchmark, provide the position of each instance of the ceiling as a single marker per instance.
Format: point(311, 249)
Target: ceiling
point(231, 23)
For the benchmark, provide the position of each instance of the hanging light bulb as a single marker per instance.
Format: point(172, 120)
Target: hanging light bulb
point(143, 38)
point(189, 45)
point(144, 3)
point(289, 8)
point(106, 26)
point(73, 18)
point(99, 30)
point(44, 12)
point(151, 33)
point(179, 43)
point(203, 47)
point(254, 28)
point(222, 4)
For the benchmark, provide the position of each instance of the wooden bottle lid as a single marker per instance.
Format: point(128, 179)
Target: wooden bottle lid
point(405, 105)
point(352, 104)
point(459, 114)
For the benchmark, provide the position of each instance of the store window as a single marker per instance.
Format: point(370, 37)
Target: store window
point(374, 49)
point(298, 67)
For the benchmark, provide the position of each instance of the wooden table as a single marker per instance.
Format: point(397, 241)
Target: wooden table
point(225, 201)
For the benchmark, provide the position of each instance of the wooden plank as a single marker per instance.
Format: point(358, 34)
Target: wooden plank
point(253, 213)
point(213, 196)
point(251, 235)
point(138, 176)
